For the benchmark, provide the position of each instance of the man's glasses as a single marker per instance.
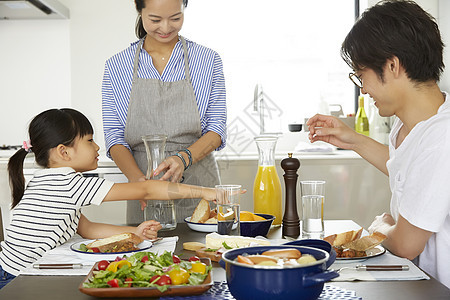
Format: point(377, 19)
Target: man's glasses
point(356, 80)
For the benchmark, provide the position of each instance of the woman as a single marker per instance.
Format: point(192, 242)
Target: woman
point(165, 84)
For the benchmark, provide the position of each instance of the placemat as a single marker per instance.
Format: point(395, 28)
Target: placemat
point(349, 274)
point(220, 291)
point(63, 255)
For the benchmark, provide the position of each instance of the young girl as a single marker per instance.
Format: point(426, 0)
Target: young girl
point(47, 212)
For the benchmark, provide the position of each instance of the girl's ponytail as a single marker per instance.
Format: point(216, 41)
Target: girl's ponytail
point(16, 178)
point(47, 130)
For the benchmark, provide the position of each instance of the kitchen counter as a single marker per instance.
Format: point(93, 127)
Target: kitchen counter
point(354, 188)
point(66, 287)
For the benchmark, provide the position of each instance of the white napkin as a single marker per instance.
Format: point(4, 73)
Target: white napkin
point(63, 255)
point(414, 273)
point(319, 146)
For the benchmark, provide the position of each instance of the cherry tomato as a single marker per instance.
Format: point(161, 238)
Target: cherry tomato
point(95, 249)
point(102, 265)
point(163, 280)
point(180, 276)
point(198, 267)
point(144, 259)
point(194, 258)
point(176, 259)
point(113, 283)
point(128, 281)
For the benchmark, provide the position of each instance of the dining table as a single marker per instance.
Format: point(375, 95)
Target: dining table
point(67, 287)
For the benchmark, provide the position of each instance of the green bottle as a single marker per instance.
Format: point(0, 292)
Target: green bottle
point(361, 121)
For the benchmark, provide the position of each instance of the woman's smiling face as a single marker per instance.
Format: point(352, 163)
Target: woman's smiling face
point(163, 19)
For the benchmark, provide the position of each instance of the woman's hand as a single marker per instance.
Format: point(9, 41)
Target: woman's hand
point(174, 168)
point(148, 230)
point(331, 130)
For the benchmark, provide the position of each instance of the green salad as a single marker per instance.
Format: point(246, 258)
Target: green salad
point(147, 269)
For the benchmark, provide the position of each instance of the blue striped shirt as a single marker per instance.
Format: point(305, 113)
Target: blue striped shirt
point(207, 79)
point(48, 215)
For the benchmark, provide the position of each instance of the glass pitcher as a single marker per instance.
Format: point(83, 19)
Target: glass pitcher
point(267, 187)
point(162, 211)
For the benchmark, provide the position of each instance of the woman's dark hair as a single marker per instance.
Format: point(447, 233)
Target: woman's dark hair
point(139, 29)
point(47, 130)
point(396, 28)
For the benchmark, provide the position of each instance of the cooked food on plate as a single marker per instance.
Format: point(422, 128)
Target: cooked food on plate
point(351, 244)
point(277, 258)
point(117, 243)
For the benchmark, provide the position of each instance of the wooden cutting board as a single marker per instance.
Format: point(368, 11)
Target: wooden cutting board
point(213, 255)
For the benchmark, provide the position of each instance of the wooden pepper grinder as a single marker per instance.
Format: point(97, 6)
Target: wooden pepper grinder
point(291, 222)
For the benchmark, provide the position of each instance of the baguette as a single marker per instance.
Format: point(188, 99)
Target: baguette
point(337, 240)
point(366, 242)
point(201, 212)
point(123, 241)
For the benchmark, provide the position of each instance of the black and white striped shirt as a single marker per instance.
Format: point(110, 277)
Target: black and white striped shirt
point(48, 215)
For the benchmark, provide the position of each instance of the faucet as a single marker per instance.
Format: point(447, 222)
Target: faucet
point(258, 106)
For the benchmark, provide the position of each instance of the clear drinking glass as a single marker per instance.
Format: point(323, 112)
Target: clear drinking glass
point(313, 193)
point(162, 211)
point(267, 187)
point(228, 209)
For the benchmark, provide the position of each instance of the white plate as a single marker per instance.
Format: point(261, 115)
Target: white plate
point(92, 256)
point(376, 251)
point(202, 227)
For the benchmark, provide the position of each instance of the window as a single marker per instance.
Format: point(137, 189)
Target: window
point(290, 47)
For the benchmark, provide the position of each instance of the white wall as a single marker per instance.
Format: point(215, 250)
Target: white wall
point(35, 73)
point(59, 63)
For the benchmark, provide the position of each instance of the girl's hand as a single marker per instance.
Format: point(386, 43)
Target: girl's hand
point(210, 194)
point(174, 168)
point(148, 230)
point(143, 202)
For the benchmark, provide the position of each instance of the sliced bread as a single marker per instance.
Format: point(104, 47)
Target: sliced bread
point(116, 241)
point(201, 212)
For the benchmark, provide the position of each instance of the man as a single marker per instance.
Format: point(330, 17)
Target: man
point(395, 50)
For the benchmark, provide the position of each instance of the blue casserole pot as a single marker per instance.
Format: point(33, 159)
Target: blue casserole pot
point(315, 243)
point(262, 282)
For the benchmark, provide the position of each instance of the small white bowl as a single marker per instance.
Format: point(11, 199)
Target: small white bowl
point(93, 256)
point(202, 227)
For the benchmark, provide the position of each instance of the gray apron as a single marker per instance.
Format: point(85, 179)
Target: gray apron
point(169, 108)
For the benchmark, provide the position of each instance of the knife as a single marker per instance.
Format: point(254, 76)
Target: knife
point(57, 266)
point(382, 267)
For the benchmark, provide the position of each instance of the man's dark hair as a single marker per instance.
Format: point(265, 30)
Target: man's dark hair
point(396, 28)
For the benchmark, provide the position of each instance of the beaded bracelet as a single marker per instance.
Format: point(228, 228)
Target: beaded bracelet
point(182, 159)
point(189, 156)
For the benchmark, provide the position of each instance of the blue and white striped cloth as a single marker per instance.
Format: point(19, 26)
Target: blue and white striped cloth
point(207, 79)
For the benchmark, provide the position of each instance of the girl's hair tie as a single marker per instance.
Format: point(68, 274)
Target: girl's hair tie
point(27, 146)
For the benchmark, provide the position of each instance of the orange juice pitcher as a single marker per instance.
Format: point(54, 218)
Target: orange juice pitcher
point(267, 187)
